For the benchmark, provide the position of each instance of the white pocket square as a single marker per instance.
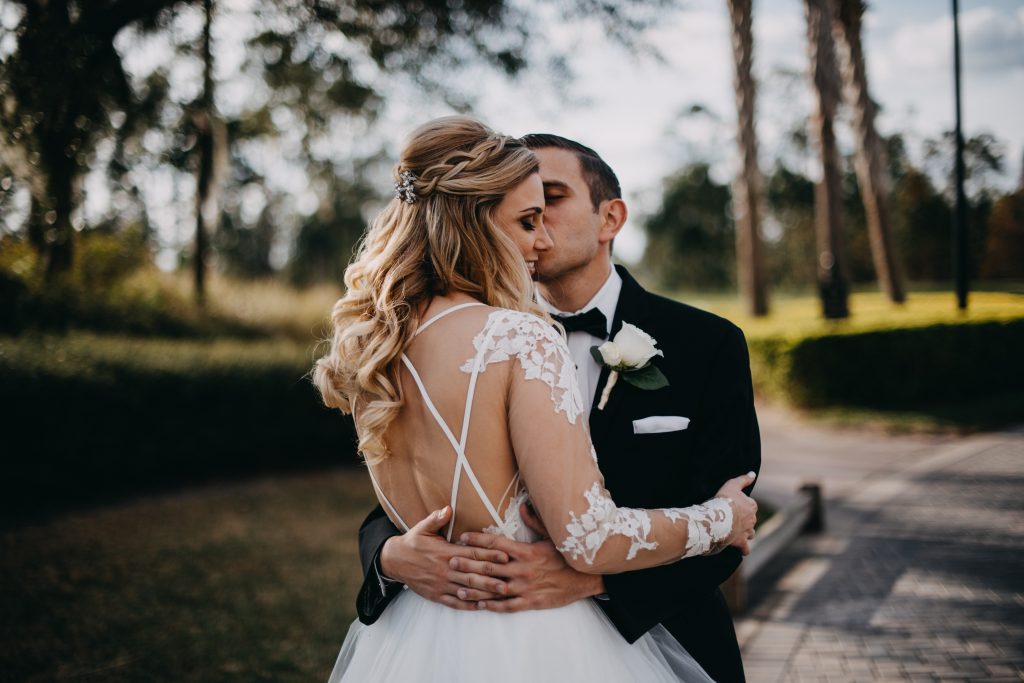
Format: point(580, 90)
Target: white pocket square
point(656, 424)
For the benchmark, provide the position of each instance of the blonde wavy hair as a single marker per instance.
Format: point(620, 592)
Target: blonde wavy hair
point(446, 241)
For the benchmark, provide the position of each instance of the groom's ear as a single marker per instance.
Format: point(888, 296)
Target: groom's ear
point(613, 217)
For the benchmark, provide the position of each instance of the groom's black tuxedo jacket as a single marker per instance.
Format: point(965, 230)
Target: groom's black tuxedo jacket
point(708, 370)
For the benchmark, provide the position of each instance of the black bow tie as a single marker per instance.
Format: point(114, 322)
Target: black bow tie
point(592, 322)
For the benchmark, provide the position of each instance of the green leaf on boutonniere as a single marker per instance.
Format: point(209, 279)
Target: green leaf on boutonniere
point(649, 377)
point(596, 353)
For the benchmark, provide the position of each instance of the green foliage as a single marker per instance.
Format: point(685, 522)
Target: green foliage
point(924, 224)
point(892, 368)
point(691, 238)
point(92, 418)
point(1004, 248)
point(327, 239)
point(113, 289)
point(790, 244)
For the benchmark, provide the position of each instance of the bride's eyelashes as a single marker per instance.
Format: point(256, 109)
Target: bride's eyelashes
point(528, 224)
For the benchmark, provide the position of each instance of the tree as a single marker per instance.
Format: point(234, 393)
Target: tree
point(690, 239)
point(211, 156)
point(869, 158)
point(748, 185)
point(50, 124)
point(1004, 246)
point(983, 156)
point(832, 275)
point(924, 235)
point(319, 61)
point(791, 247)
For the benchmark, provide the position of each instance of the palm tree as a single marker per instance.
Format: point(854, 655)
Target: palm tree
point(869, 160)
point(828, 200)
point(747, 187)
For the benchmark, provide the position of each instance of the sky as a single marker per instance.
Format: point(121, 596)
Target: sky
point(629, 108)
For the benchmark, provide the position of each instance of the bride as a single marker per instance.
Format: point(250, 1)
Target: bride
point(464, 394)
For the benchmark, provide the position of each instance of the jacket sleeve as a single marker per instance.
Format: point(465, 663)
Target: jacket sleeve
point(375, 594)
point(728, 443)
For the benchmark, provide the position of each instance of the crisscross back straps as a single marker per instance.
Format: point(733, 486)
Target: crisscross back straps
point(433, 319)
point(458, 445)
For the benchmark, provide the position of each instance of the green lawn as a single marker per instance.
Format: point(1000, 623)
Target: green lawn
point(253, 581)
point(801, 315)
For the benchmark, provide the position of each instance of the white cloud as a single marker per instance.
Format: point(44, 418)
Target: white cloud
point(990, 40)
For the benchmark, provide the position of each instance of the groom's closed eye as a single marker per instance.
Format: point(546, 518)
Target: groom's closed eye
point(554, 191)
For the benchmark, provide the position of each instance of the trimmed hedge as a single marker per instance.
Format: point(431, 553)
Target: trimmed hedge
point(88, 418)
point(896, 368)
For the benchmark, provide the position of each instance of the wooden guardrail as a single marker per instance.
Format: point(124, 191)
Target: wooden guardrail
point(801, 513)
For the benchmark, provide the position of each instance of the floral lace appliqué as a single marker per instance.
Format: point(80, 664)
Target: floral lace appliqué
point(707, 525)
point(540, 350)
point(588, 532)
point(512, 522)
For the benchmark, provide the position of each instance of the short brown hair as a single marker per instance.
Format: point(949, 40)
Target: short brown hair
point(597, 174)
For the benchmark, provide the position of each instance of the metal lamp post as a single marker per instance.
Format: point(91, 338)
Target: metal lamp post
point(960, 215)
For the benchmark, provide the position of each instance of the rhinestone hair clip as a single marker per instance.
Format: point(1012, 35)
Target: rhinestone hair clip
point(404, 188)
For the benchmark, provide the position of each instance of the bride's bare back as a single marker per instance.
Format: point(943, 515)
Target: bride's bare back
point(419, 476)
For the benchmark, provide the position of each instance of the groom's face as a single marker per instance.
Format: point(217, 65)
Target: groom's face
point(569, 215)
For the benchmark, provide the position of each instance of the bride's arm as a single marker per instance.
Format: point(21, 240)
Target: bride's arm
point(552, 446)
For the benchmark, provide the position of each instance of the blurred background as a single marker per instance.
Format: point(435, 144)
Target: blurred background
point(182, 184)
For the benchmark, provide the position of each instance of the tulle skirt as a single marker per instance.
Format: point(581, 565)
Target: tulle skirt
point(416, 640)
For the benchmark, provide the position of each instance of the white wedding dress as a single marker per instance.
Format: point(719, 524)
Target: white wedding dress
point(529, 432)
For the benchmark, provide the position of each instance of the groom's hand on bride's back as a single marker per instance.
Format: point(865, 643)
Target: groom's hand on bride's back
point(420, 558)
point(536, 575)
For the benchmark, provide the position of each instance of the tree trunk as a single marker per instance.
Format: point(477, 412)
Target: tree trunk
point(869, 161)
point(828, 201)
point(60, 235)
point(206, 176)
point(747, 187)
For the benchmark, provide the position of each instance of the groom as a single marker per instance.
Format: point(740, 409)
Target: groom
point(706, 433)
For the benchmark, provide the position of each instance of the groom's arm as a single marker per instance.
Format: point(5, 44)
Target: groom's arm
point(727, 442)
point(377, 591)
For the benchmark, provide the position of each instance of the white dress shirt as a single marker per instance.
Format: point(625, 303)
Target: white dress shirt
point(588, 371)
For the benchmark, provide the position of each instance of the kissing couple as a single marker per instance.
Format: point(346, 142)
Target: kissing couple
point(562, 458)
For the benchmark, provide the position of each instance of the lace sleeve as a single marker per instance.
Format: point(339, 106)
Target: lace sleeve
point(555, 456)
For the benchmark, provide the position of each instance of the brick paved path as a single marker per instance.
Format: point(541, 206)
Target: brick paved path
point(918, 577)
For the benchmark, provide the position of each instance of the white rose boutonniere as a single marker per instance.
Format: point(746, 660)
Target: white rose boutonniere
point(629, 354)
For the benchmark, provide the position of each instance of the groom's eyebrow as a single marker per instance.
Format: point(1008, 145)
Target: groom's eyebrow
point(555, 185)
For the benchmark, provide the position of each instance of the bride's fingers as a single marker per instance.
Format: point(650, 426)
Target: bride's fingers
point(746, 480)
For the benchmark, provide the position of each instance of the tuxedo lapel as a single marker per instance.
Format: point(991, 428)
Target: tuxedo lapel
point(631, 308)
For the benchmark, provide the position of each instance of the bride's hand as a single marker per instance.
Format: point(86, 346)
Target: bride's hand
point(744, 511)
